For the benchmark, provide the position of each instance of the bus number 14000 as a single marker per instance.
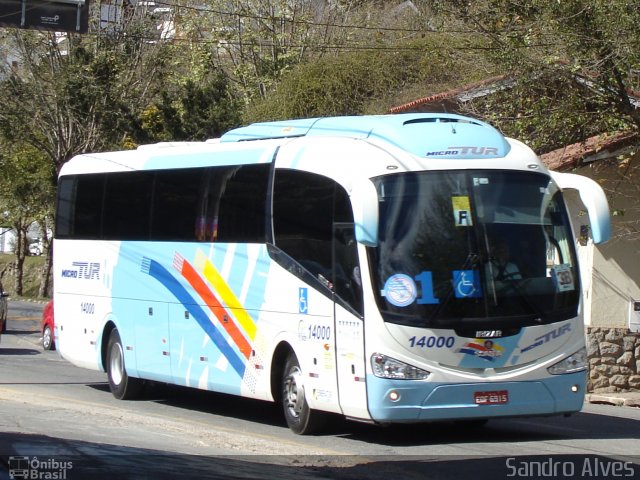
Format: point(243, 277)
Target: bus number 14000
point(432, 342)
point(319, 332)
point(87, 308)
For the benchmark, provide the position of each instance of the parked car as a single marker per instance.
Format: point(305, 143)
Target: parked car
point(36, 248)
point(48, 327)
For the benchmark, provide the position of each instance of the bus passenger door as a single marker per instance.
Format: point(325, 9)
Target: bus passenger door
point(349, 323)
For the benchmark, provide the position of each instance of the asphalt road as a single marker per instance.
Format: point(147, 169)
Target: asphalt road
point(60, 421)
point(24, 316)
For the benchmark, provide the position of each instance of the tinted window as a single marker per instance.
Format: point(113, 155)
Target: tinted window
point(127, 206)
point(226, 204)
point(238, 195)
point(176, 204)
point(80, 206)
point(313, 224)
point(465, 248)
point(303, 219)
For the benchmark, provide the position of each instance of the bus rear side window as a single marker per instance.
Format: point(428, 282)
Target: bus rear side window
point(80, 207)
point(210, 204)
point(127, 206)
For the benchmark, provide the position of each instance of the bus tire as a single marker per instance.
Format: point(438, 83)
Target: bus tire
point(122, 386)
point(300, 418)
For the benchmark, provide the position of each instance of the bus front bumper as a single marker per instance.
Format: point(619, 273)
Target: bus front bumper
point(398, 401)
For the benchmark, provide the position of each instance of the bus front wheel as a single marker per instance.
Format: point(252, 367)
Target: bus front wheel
point(122, 386)
point(300, 418)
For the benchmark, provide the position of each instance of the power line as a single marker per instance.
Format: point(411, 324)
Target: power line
point(311, 45)
point(302, 21)
point(335, 46)
point(344, 26)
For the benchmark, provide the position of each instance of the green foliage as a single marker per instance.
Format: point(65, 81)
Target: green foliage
point(192, 112)
point(538, 111)
point(353, 83)
point(26, 196)
point(26, 190)
point(576, 62)
point(71, 97)
point(32, 272)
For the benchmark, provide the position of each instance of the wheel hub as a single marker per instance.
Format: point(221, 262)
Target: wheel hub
point(294, 392)
point(116, 364)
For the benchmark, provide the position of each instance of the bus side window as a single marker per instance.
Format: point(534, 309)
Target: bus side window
point(127, 206)
point(303, 220)
point(241, 213)
point(175, 204)
point(313, 224)
point(80, 206)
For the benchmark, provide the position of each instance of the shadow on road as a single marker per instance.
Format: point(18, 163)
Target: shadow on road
point(578, 426)
point(70, 459)
point(19, 351)
point(22, 332)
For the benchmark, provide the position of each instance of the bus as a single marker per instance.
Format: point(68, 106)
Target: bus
point(386, 268)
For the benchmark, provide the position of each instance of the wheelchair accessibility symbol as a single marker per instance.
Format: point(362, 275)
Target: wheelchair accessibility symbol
point(303, 300)
point(467, 283)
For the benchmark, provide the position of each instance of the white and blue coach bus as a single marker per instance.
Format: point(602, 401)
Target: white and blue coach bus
point(395, 268)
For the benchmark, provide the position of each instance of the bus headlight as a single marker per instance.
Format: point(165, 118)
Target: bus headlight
point(387, 367)
point(576, 362)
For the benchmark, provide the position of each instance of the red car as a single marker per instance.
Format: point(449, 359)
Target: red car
point(3, 310)
point(48, 327)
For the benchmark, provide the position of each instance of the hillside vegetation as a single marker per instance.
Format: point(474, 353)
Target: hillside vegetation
point(32, 273)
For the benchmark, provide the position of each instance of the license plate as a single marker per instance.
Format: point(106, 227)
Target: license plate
point(496, 397)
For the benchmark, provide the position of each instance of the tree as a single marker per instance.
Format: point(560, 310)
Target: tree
point(258, 42)
point(192, 111)
point(368, 80)
point(576, 62)
point(64, 95)
point(68, 95)
point(27, 195)
point(253, 41)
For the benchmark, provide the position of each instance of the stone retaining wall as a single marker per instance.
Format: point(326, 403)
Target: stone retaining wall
point(614, 360)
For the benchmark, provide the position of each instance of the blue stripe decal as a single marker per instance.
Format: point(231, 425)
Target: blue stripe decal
point(258, 283)
point(239, 266)
point(157, 271)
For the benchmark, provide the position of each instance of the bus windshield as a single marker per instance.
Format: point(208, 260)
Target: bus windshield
point(473, 249)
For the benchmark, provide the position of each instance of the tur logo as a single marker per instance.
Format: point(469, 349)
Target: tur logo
point(83, 270)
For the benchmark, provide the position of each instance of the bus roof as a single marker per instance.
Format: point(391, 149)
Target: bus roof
point(436, 135)
point(422, 141)
point(172, 155)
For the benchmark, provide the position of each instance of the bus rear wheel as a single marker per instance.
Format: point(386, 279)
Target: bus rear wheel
point(122, 386)
point(300, 418)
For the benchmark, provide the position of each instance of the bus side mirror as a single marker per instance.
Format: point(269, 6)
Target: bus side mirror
point(364, 199)
point(594, 198)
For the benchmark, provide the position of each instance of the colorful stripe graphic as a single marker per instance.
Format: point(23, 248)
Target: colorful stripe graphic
point(487, 350)
point(210, 272)
point(224, 317)
point(157, 271)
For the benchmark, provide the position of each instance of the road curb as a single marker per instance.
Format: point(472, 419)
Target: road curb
point(625, 399)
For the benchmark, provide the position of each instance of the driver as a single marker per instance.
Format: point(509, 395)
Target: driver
point(502, 269)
